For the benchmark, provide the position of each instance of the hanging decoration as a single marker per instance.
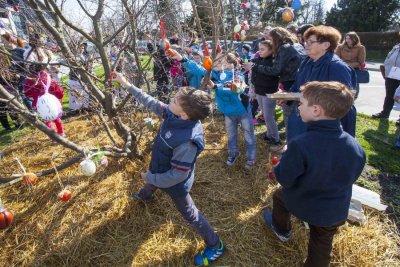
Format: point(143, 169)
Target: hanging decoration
point(163, 43)
point(296, 4)
point(28, 179)
point(207, 61)
point(87, 167)
point(65, 195)
point(287, 15)
point(6, 217)
point(48, 106)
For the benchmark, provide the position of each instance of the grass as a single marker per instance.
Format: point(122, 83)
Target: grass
point(376, 55)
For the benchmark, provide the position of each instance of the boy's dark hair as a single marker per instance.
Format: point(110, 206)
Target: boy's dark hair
point(267, 43)
point(195, 103)
point(335, 98)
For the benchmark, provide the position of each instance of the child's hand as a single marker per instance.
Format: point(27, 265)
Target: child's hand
point(210, 84)
point(118, 77)
point(174, 54)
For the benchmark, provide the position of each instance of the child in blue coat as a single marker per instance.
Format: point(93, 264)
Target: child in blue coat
point(176, 147)
point(317, 171)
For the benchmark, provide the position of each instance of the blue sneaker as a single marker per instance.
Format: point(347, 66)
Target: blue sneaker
point(231, 160)
point(137, 196)
point(208, 255)
point(268, 221)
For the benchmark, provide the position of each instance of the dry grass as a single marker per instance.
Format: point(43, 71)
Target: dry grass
point(99, 226)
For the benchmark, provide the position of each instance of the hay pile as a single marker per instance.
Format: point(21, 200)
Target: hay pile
point(99, 226)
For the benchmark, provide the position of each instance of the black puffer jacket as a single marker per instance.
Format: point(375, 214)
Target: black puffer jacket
point(263, 83)
point(162, 63)
point(286, 63)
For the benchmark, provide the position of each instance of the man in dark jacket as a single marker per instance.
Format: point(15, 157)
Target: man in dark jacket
point(162, 65)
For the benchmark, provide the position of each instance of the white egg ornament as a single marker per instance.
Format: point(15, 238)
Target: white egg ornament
point(88, 167)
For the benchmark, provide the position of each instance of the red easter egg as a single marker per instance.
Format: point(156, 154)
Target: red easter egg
point(6, 218)
point(274, 160)
point(64, 195)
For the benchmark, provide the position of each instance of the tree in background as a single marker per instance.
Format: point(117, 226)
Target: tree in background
point(363, 15)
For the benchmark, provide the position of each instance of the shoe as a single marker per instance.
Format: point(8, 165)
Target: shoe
point(249, 164)
point(136, 196)
point(380, 115)
point(231, 160)
point(266, 138)
point(267, 215)
point(255, 121)
point(209, 255)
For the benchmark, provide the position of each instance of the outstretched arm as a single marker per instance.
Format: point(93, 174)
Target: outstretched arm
point(152, 104)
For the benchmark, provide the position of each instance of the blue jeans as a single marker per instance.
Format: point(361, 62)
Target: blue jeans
point(186, 207)
point(231, 125)
point(268, 109)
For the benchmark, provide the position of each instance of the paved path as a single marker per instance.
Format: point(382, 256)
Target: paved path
point(372, 94)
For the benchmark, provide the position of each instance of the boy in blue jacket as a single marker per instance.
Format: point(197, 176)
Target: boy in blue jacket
point(194, 70)
point(176, 147)
point(317, 171)
point(235, 105)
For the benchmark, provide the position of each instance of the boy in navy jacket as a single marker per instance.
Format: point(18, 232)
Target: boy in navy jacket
point(317, 171)
point(178, 143)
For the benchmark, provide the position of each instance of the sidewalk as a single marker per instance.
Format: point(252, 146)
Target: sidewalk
point(373, 66)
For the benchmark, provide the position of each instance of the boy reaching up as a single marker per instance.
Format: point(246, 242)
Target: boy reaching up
point(317, 171)
point(178, 143)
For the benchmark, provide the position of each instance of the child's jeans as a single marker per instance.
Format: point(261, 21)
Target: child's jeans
point(189, 212)
point(59, 125)
point(231, 125)
point(268, 109)
point(320, 243)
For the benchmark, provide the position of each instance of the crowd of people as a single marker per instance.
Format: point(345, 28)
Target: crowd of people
point(320, 129)
point(314, 171)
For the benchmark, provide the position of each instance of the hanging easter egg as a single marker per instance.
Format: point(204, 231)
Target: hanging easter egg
point(88, 167)
point(6, 218)
point(259, 25)
point(246, 27)
point(207, 63)
point(29, 179)
point(237, 36)
point(164, 44)
point(170, 53)
point(288, 15)
point(196, 41)
point(64, 195)
point(242, 32)
point(237, 28)
point(49, 107)
point(206, 51)
point(16, 8)
point(244, 5)
point(248, 5)
point(242, 37)
point(296, 4)
point(218, 49)
point(104, 162)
